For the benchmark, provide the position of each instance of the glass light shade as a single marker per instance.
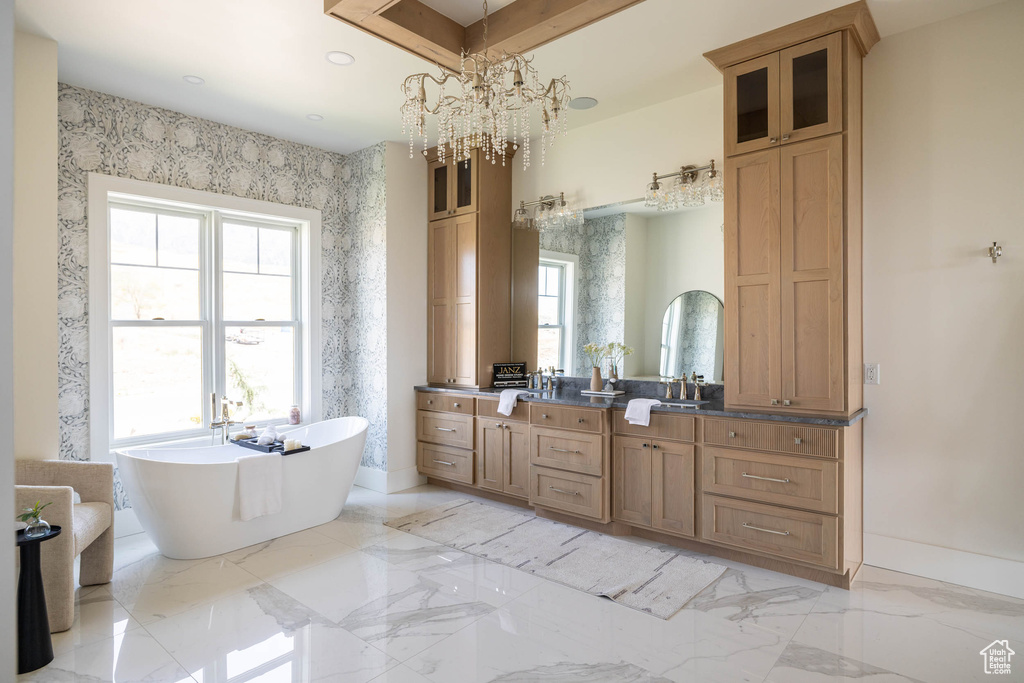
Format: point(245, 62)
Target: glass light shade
point(714, 186)
point(690, 194)
point(651, 197)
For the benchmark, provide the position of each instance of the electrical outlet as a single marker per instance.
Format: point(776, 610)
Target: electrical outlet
point(872, 373)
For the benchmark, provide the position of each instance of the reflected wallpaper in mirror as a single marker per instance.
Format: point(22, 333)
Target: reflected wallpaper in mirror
point(692, 336)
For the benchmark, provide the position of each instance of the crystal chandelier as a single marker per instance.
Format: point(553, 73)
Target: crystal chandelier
point(685, 190)
point(479, 107)
point(551, 213)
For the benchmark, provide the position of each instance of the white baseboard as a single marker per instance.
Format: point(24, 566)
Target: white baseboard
point(405, 478)
point(369, 478)
point(983, 572)
point(388, 482)
point(126, 523)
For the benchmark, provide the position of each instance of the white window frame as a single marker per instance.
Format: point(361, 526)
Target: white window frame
point(104, 190)
point(570, 264)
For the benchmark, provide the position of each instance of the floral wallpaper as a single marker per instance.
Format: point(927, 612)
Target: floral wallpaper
point(105, 134)
point(600, 244)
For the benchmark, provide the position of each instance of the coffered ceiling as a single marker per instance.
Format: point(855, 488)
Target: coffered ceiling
point(265, 68)
point(428, 31)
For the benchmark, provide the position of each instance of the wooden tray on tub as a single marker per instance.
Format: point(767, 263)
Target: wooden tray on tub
point(276, 447)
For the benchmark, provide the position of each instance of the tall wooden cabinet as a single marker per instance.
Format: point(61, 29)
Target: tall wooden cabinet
point(793, 216)
point(469, 269)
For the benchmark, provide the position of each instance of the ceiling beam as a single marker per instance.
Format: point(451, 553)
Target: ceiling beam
point(520, 26)
point(527, 24)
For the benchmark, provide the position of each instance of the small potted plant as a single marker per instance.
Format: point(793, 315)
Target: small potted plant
point(36, 527)
point(595, 353)
point(616, 352)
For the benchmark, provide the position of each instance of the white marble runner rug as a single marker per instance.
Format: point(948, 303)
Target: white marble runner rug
point(653, 579)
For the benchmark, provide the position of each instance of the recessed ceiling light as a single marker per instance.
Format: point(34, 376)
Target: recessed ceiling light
point(582, 103)
point(340, 58)
point(314, 117)
point(193, 80)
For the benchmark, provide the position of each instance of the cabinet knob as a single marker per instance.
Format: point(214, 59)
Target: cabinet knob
point(797, 440)
point(786, 402)
point(507, 427)
point(458, 405)
point(775, 401)
point(645, 445)
point(785, 137)
point(581, 420)
point(773, 140)
point(732, 435)
point(429, 402)
point(498, 425)
point(654, 446)
point(544, 415)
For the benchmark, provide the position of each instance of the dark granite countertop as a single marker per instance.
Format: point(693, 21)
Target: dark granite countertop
point(713, 408)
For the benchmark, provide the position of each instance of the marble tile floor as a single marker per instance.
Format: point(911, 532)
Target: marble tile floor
point(355, 601)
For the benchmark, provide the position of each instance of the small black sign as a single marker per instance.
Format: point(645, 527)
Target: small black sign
point(508, 375)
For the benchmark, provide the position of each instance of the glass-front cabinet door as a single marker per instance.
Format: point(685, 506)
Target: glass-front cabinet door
point(752, 105)
point(440, 197)
point(811, 81)
point(465, 186)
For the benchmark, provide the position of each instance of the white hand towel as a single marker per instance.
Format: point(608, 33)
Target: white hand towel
point(259, 485)
point(638, 411)
point(268, 436)
point(508, 400)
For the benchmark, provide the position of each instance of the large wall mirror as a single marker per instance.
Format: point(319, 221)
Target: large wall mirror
point(652, 280)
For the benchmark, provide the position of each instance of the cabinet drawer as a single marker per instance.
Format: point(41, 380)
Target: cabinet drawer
point(488, 408)
point(663, 426)
point(453, 464)
point(563, 417)
point(779, 479)
point(577, 494)
point(444, 403)
point(563, 450)
point(446, 429)
point(792, 534)
point(782, 438)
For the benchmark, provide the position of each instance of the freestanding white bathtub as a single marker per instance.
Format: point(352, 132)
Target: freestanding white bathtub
point(187, 498)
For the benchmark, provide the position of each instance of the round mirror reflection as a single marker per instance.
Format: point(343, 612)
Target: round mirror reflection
point(693, 336)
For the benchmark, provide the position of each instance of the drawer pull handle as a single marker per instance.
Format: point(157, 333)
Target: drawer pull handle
point(797, 440)
point(767, 531)
point(445, 462)
point(562, 450)
point(444, 429)
point(569, 493)
point(754, 476)
point(732, 435)
point(458, 405)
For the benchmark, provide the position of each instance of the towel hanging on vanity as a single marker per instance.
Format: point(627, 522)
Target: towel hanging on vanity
point(638, 411)
point(508, 400)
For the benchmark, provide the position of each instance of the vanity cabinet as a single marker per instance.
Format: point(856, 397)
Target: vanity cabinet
point(469, 270)
point(503, 456)
point(785, 96)
point(653, 478)
point(793, 215)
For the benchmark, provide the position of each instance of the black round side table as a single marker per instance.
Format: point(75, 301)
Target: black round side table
point(35, 649)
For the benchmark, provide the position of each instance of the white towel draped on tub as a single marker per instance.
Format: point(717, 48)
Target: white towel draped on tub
point(507, 402)
point(259, 485)
point(638, 411)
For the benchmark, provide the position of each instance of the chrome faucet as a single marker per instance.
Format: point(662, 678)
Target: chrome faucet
point(225, 421)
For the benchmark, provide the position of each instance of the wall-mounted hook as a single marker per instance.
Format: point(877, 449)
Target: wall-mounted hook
point(995, 251)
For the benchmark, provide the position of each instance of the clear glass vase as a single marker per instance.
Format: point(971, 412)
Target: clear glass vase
point(36, 527)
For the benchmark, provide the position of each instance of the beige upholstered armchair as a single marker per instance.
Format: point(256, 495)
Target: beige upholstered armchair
point(87, 528)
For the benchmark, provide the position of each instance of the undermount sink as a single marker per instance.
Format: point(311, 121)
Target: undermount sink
point(682, 403)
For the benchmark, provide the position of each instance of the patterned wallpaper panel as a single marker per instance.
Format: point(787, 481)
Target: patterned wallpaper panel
point(106, 134)
point(600, 244)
